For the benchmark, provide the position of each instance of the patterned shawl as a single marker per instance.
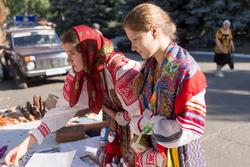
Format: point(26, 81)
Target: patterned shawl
point(178, 80)
point(94, 48)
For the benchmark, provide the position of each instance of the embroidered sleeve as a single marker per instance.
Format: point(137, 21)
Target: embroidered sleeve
point(57, 117)
point(187, 127)
point(120, 75)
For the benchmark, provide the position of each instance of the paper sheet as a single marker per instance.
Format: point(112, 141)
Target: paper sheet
point(83, 147)
point(62, 159)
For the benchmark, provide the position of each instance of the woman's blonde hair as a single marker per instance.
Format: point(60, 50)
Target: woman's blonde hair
point(143, 16)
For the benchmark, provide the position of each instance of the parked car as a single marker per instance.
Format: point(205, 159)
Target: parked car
point(33, 52)
point(122, 44)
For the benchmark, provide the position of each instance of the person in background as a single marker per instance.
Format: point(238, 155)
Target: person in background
point(224, 48)
point(97, 27)
point(99, 79)
point(171, 88)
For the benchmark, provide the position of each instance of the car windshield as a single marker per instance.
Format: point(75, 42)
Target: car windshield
point(36, 38)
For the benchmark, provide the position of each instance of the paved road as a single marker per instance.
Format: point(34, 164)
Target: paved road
point(227, 136)
point(11, 97)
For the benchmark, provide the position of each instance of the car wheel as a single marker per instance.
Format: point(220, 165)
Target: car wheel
point(4, 69)
point(19, 79)
point(5, 72)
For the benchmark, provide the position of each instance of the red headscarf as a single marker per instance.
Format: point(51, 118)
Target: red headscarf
point(94, 48)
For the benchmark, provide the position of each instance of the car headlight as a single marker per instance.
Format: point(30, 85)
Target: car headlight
point(29, 58)
point(30, 65)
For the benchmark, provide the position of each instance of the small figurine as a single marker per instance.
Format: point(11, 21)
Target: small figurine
point(103, 141)
point(112, 148)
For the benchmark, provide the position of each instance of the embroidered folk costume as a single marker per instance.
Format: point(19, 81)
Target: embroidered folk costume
point(105, 80)
point(172, 99)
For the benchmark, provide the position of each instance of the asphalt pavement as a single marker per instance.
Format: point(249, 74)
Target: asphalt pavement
point(227, 135)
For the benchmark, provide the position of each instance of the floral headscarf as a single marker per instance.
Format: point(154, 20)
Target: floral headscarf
point(94, 48)
point(178, 80)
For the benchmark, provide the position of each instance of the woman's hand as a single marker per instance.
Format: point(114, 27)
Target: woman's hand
point(138, 123)
point(18, 152)
point(110, 112)
point(15, 154)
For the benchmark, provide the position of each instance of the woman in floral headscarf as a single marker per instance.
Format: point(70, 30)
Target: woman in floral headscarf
point(171, 89)
point(100, 79)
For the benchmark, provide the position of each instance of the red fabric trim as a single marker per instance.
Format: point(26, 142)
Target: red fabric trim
point(163, 150)
point(44, 129)
point(195, 110)
point(124, 85)
point(67, 86)
point(113, 149)
point(151, 157)
point(190, 123)
point(194, 120)
point(126, 116)
point(195, 131)
point(138, 160)
point(197, 103)
point(114, 63)
point(183, 122)
point(140, 105)
point(190, 88)
point(76, 88)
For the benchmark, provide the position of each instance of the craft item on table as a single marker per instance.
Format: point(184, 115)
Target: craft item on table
point(112, 148)
point(38, 108)
point(3, 149)
point(5, 121)
point(42, 106)
point(35, 108)
point(25, 112)
point(51, 101)
point(102, 141)
point(104, 136)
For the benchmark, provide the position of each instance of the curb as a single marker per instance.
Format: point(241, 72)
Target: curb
point(241, 55)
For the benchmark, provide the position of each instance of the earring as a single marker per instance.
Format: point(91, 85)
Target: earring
point(154, 33)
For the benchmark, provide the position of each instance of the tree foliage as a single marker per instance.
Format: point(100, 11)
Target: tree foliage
point(197, 20)
point(28, 7)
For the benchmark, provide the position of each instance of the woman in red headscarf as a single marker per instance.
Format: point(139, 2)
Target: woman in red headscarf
point(100, 79)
